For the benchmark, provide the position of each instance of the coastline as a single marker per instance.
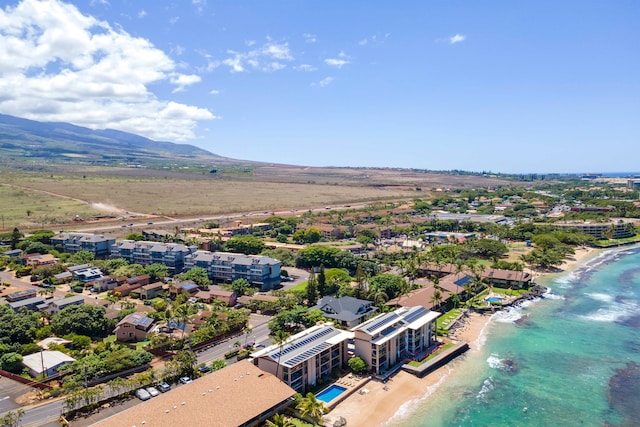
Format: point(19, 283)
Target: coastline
point(403, 391)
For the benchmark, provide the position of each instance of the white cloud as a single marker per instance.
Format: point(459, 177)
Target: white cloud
point(199, 4)
point(310, 38)
point(183, 80)
point(174, 20)
point(363, 42)
point(214, 92)
point(142, 13)
point(305, 67)
point(250, 43)
point(458, 38)
point(60, 65)
point(341, 61)
point(324, 82)
point(338, 63)
point(267, 57)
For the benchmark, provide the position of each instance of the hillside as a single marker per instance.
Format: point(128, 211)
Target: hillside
point(23, 140)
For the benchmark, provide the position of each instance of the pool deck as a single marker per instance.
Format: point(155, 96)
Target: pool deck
point(351, 383)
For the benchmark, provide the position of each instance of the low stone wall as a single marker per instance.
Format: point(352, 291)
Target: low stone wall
point(438, 361)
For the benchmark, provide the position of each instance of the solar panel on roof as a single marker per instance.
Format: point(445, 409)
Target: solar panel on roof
point(414, 315)
point(463, 281)
point(294, 346)
point(385, 319)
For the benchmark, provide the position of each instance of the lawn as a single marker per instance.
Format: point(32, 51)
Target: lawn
point(446, 346)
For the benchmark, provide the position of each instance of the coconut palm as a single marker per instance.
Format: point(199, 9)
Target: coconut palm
point(280, 338)
point(311, 407)
point(279, 420)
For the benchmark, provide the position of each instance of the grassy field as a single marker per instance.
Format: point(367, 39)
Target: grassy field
point(87, 191)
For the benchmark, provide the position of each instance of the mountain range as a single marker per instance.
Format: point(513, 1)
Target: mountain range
point(29, 140)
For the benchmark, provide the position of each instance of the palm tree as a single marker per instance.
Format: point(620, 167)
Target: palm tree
point(280, 338)
point(279, 420)
point(311, 407)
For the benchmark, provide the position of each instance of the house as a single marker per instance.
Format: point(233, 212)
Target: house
point(46, 362)
point(496, 277)
point(38, 260)
point(98, 244)
point(189, 287)
point(151, 290)
point(423, 296)
point(217, 293)
point(106, 283)
point(133, 327)
point(56, 305)
point(387, 339)
point(306, 357)
point(45, 343)
point(346, 311)
point(259, 270)
point(132, 284)
point(13, 253)
point(30, 304)
point(64, 277)
point(85, 272)
point(237, 395)
point(21, 295)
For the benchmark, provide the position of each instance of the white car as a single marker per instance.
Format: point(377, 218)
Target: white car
point(153, 391)
point(143, 394)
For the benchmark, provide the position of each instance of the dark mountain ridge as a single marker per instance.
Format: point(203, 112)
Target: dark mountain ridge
point(23, 139)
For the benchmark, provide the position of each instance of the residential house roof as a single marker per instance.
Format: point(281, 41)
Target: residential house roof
point(232, 396)
point(345, 309)
point(137, 319)
point(47, 359)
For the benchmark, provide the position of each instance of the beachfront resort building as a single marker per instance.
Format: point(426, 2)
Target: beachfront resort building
point(389, 338)
point(346, 311)
point(259, 270)
point(98, 244)
point(237, 395)
point(307, 356)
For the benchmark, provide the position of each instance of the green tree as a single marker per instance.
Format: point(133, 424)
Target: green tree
point(11, 362)
point(135, 236)
point(322, 282)
point(312, 290)
point(12, 419)
point(129, 270)
point(156, 271)
point(248, 245)
point(240, 286)
point(311, 407)
point(82, 319)
point(197, 275)
point(82, 257)
point(307, 235)
point(16, 235)
point(390, 284)
point(279, 420)
point(280, 339)
point(357, 365)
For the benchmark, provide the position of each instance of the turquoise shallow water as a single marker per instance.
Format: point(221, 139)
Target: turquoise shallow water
point(570, 359)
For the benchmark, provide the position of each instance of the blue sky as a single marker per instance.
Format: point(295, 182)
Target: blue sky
point(527, 86)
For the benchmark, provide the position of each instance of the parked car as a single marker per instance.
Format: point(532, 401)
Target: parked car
point(148, 302)
point(203, 369)
point(143, 394)
point(185, 380)
point(153, 391)
point(163, 387)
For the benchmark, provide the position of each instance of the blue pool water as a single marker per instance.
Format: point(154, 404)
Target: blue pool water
point(493, 299)
point(330, 393)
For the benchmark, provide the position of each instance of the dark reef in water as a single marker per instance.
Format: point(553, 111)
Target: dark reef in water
point(624, 389)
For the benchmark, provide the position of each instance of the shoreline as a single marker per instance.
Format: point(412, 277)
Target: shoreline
point(404, 391)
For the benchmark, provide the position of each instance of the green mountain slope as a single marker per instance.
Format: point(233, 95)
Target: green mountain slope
point(29, 140)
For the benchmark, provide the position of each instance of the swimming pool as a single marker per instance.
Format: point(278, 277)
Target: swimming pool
point(330, 393)
point(493, 299)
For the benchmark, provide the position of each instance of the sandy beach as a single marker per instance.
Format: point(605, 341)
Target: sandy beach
point(379, 405)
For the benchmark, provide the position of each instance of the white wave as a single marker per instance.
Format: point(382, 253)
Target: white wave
point(495, 362)
point(550, 295)
point(486, 388)
point(600, 297)
point(614, 312)
point(409, 407)
point(509, 315)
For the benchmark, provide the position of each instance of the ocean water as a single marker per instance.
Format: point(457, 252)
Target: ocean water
point(570, 359)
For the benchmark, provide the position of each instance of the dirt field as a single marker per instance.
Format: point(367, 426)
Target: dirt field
point(57, 196)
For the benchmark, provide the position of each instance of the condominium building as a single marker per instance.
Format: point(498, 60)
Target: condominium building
point(385, 340)
point(260, 270)
point(98, 244)
point(307, 356)
point(144, 253)
point(601, 230)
